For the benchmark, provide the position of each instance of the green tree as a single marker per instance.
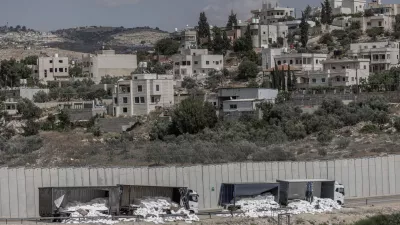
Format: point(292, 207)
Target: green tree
point(374, 32)
point(189, 83)
point(304, 26)
point(396, 27)
point(214, 79)
point(67, 94)
point(247, 36)
point(109, 79)
point(218, 42)
point(64, 120)
point(31, 128)
point(328, 12)
point(323, 13)
point(12, 71)
point(192, 116)
point(227, 42)
point(28, 110)
point(369, 13)
point(203, 27)
point(41, 97)
point(307, 12)
point(247, 70)
point(167, 46)
point(232, 21)
point(241, 45)
point(30, 60)
point(75, 71)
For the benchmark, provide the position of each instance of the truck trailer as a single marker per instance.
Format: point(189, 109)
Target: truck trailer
point(122, 199)
point(322, 188)
point(232, 192)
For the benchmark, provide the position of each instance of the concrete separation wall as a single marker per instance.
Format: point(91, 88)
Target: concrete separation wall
point(366, 177)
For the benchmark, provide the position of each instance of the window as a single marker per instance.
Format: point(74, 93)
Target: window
point(115, 100)
point(216, 62)
point(45, 73)
point(337, 79)
point(365, 67)
point(365, 47)
point(194, 53)
point(334, 68)
point(264, 32)
point(135, 78)
point(51, 70)
point(60, 61)
point(233, 106)
point(139, 88)
point(183, 63)
point(194, 71)
point(55, 70)
point(196, 62)
point(344, 78)
point(36, 71)
point(291, 62)
point(128, 89)
point(207, 62)
point(343, 67)
point(142, 100)
point(91, 74)
point(125, 100)
point(284, 61)
point(368, 23)
point(176, 63)
point(204, 71)
point(153, 99)
point(188, 63)
point(388, 56)
point(279, 62)
point(51, 61)
point(61, 70)
point(125, 110)
point(352, 79)
point(157, 87)
point(66, 70)
point(374, 46)
point(314, 80)
point(323, 80)
point(137, 100)
point(91, 63)
point(380, 23)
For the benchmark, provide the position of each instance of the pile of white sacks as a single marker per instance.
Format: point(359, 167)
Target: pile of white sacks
point(265, 206)
point(149, 210)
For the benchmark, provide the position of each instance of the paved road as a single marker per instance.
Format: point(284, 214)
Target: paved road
point(372, 201)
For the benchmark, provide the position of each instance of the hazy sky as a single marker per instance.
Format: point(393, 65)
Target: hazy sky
point(166, 14)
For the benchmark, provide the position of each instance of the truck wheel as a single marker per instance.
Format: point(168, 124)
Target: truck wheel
point(191, 212)
point(339, 202)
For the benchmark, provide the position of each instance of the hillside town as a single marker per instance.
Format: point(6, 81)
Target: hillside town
point(278, 103)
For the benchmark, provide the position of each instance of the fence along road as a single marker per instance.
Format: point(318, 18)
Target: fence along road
point(364, 177)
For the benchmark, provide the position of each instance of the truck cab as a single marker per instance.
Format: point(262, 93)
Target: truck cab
point(339, 193)
point(193, 200)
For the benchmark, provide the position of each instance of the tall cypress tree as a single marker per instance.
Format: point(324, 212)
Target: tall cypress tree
point(247, 36)
point(304, 31)
point(328, 12)
point(232, 21)
point(227, 42)
point(204, 26)
point(323, 13)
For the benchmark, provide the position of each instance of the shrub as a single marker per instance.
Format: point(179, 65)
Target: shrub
point(343, 143)
point(369, 129)
point(23, 145)
point(393, 219)
point(41, 97)
point(247, 70)
point(324, 137)
point(96, 131)
point(31, 128)
point(374, 32)
point(322, 152)
point(396, 124)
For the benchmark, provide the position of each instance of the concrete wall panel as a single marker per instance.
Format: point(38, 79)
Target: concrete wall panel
point(37, 183)
point(225, 173)
point(116, 176)
point(295, 170)
point(268, 172)
point(236, 175)
point(21, 193)
point(331, 170)
point(93, 177)
point(310, 170)
point(250, 172)
point(13, 192)
point(199, 184)
point(323, 166)
point(62, 177)
point(54, 177)
point(101, 177)
point(159, 176)
point(109, 176)
point(243, 172)
point(372, 177)
point(385, 176)
point(152, 177)
point(130, 176)
point(281, 171)
point(352, 178)
point(365, 185)
point(137, 176)
point(345, 177)
point(359, 189)
point(145, 175)
point(262, 175)
point(397, 168)
point(165, 177)
point(379, 176)
point(338, 170)
point(288, 170)
point(206, 186)
point(257, 168)
point(186, 178)
point(302, 170)
point(193, 181)
point(70, 177)
point(275, 171)
point(123, 176)
point(85, 177)
point(46, 178)
point(392, 175)
point(4, 193)
point(218, 182)
point(179, 177)
point(213, 185)
point(30, 193)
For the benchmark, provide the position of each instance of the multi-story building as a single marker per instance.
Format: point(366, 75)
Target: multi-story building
point(385, 9)
point(51, 69)
point(234, 102)
point(380, 21)
point(106, 62)
point(269, 14)
point(348, 6)
point(382, 55)
point(303, 61)
point(142, 94)
point(195, 62)
point(335, 73)
point(265, 35)
point(186, 37)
